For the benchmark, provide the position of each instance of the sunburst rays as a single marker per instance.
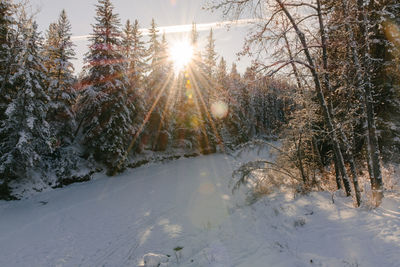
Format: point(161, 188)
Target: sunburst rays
point(171, 88)
point(181, 53)
point(208, 110)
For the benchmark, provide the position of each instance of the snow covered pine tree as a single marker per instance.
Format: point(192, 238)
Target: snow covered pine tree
point(104, 106)
point(25, 131)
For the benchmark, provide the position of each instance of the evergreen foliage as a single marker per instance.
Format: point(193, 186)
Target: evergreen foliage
point(135, 53)
point(157, 134)
point(210, 57)
point(25, 131)
point(7, 54)
point(337, 103)
point(104, 106)
point(58, 51)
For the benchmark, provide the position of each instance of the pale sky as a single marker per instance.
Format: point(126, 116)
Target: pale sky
point(165, 12)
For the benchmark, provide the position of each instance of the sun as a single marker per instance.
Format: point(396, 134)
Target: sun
point(181, 53)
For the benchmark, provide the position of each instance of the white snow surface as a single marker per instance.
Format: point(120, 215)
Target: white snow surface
point(149, 213)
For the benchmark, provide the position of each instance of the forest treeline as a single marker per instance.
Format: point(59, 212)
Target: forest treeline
point(127, 99)
point(325, 80)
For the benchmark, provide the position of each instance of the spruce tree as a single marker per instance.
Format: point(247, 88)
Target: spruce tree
point(203, 70)
point(220, 99)
point(6, 38)
point(154, 49)
point(221, 75)
point(134, 51)
point(234, 74)
point(7, 58)
point(6, 22)
point(104, 106)
point(157, 92)
point(194, 40)
point(209, 65)
point(58, 55)
point(165, 63)
point(201, 89)
point(210, 57)
point(7, 54)
point(239, 100)
point(26, 131)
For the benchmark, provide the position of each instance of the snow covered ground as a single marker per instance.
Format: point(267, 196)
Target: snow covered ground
point(184, 213)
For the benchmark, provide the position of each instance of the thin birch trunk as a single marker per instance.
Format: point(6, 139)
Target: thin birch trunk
point(321, 98)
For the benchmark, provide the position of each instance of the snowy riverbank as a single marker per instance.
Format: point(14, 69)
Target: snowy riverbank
point(188, 206)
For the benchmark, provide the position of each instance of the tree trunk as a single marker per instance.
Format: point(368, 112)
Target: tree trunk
point(327, 83)
point(337, 174)
point(353, 170)
point(372, 138)
point(300, 158)
point(321, 98)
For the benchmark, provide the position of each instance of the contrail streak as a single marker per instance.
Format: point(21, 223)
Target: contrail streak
point(188, 27)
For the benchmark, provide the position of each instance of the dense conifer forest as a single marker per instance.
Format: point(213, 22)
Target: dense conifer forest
point(324, 81)
point(128, 99)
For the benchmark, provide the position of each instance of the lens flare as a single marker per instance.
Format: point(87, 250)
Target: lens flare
point(195, 122)
point(181, 54)
point(392, 33)
point(219, 109)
